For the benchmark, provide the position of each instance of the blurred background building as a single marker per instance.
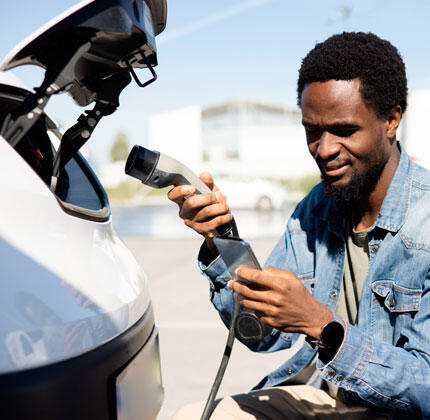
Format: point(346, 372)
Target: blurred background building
point(236, 139)
point(415, 133)
point(244, 138)
point(254, 140)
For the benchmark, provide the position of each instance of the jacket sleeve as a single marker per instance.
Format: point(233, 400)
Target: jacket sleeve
point(222, 297)
point(394, 378)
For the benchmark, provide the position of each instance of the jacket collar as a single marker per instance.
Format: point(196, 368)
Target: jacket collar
point(393, 211)
point(396, 202)
point(329, 212)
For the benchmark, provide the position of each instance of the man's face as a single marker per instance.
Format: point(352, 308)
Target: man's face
point(346, 138)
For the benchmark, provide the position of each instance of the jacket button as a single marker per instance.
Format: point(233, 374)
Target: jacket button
point(374, 248)
point(340, 378)
point(333, 294)
point(331, 373)
point(290, 371)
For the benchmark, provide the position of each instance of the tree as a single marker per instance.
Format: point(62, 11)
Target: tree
point(119, 149)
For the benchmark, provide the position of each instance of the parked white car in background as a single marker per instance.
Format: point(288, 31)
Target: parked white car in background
point(77, 332)
point(255, 193)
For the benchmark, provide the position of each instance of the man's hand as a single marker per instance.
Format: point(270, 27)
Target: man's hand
point(281, 300)
point(202, 212)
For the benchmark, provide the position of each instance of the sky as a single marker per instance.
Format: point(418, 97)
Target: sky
point(217, 51)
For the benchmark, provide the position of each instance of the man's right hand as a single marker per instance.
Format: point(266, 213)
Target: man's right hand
point(202, 212)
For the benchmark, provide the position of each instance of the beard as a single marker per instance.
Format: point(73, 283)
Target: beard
point(361, 185)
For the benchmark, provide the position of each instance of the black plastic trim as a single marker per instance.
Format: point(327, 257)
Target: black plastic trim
point(159, 14)
point(101, 215)
point(13, 92)
point(78, 388)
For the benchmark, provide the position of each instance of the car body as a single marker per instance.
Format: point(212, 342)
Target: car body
point(77, 332)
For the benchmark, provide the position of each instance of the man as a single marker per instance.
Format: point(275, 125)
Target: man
point(351, 272)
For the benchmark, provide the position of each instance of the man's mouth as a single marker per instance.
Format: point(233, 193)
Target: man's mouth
point(334, 170)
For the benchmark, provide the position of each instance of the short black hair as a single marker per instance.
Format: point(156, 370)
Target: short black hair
point(350, 55)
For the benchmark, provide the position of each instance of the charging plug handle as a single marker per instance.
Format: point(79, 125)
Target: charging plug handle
point(158, 170)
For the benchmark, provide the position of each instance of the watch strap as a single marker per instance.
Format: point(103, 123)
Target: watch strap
point(332, 335)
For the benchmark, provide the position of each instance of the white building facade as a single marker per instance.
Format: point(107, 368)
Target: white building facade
point(241, 138)
point(415, 134)
point(249, 139)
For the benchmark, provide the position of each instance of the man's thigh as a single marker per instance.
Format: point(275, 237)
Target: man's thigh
point(287, 402)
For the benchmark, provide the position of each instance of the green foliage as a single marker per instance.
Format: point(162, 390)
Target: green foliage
point(234, 154)
point(159, 192)
point(303, 184)
point(126, 190)
point(119, 149)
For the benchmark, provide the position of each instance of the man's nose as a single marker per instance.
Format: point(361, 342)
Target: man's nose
point(328, 146)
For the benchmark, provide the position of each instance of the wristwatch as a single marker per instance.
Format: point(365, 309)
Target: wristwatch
point(331, 336)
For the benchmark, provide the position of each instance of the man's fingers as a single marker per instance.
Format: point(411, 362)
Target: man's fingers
point(269, 297)
point(269, 277)
point(262, 308)
point(200, 200)
point(279, 282)
point(254, 276)
point(246, 291)
point(206, 177)
point(278, 271)
point(192, 205)
point(209, 226)
point(209, 212)
point(266, 313)
point(179, 194)
point(202, 212)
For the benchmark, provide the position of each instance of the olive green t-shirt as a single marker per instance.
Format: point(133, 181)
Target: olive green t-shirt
point(354, 275)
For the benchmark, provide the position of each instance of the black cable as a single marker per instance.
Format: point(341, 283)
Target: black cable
point(209, 407)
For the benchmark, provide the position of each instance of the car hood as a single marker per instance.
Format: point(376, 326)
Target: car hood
point(112, 35)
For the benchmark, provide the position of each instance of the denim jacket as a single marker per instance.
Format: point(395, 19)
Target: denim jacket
point(384, 360)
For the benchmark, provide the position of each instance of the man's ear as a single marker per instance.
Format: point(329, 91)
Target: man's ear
point(392, 121)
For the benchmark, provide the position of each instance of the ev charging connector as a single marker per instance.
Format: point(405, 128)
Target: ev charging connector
point(158, 170)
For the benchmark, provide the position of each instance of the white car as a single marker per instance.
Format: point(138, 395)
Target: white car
point(77, 332)
point(257, 193)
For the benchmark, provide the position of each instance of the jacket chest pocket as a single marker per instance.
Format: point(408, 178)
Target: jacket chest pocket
point(304, 258)
point(305, 272)
point(394, 304)
point(396, 298)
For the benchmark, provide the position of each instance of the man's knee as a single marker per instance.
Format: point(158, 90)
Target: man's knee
point(189, 412)
point(225, 409)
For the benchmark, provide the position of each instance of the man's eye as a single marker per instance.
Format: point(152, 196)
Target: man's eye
point(344, 132)
point(311, 130)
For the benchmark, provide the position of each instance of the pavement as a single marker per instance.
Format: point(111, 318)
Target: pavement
point(192, 337)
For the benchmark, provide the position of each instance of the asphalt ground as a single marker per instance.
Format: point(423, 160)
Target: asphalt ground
point(192, 337)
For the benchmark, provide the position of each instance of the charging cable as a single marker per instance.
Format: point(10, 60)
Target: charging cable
point(209, 407)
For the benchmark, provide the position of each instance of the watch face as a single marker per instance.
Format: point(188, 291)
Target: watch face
point(332, 334)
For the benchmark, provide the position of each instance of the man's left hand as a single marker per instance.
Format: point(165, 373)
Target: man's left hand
point(281, 300)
